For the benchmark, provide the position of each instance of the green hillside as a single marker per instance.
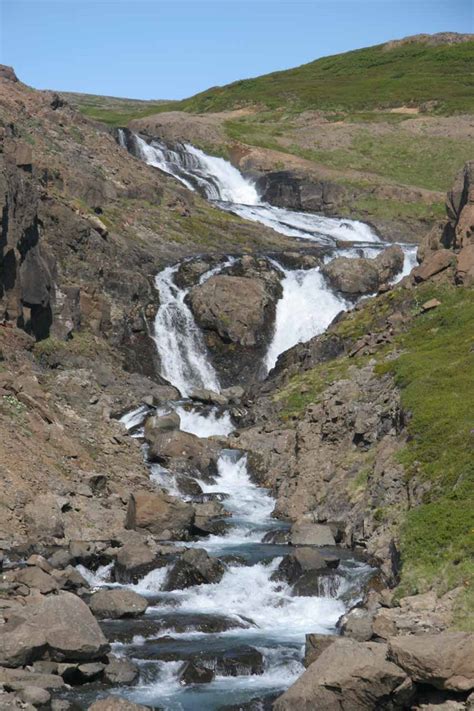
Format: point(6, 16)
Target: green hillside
point(364, 79)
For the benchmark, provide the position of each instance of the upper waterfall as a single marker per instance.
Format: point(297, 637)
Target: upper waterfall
point(220, 182)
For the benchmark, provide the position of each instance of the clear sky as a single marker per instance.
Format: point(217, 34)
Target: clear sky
point(174, 48)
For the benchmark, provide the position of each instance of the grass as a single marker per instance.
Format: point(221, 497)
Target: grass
point(434, 375)
point(361, 80)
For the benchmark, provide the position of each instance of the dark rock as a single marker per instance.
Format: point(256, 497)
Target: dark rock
point(195, 673)
point(194, 567)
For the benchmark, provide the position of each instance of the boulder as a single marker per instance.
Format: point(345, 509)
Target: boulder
point(295, 564)
point(315, 645)
point(120, 671)
point(242, 661)
point(357, 624)
point(237, 308)
point(389, 262)
point(34, 577)
point(35, 696)
point(163, 515)
point(352, 276)
point(196, 673)
point(61, 624)
point(194, 567)
point(465, 266)
point(208, 397)
point(347, 676)
point(118, 603)
point(161, 423)
point(133, 561)
point(444, 660)
point(311, 534)
point(176, 448)
point(435, 263)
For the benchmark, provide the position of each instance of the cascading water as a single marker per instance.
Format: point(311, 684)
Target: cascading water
point(306, 308)
point(258, 609)
point(179, 341)
point(225, 186)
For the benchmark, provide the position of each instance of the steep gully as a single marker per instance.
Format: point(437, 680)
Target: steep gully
point(261, 612)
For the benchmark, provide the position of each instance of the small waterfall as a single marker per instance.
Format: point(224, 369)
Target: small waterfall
point(306, 308)
point(179, 340)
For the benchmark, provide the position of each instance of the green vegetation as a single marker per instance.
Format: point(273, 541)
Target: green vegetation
point(434, 374)
point(365, 79)
point(112, 110)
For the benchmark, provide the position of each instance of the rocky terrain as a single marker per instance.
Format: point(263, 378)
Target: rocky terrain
point(363, 434)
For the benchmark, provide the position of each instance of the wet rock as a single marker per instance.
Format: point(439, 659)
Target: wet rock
point(62, 624)
point(163, 515)
point(295, 564)
point(120, 671)
point(389, 263)
point(189, 272)
point(167, 448)
point(357, 672)
point(243, 661)
point(315, 645)
point(194, 567)
point(161, 423)
point(320, 583)
point(208, 517)
point(444, 660)
point(188, 486)
point(78, 674)
point(117, 603)
point(208, 397)
point(133, 561)
point(70, 579)
point(311, 534)
point(195, 673)
point(234, 307)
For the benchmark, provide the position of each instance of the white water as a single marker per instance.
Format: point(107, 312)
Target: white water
point(179, 341)
point(306, 309)
point(224, 185)
point(205, 424)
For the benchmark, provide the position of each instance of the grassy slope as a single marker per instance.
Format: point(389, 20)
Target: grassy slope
point(369, 78)
point(112, 110)
point(434, 374)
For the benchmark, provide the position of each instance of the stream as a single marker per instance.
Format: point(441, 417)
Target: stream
point(249, 614)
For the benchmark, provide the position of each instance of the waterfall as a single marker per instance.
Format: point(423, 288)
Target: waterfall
point(179, 340)
point(224, 185)
point(305, 309)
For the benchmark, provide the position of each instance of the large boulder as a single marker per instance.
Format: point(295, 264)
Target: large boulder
point(311, 534)
point(43, 518)
point(61, 625)
point(194, 567)
point(434, 264)
point(118, 603)
point(389, 262)
point(174, 448)
point(444, 660)
point(347, 676)
point(465, 266)
point(352, 276)
point(163, 515)
point(236, 308)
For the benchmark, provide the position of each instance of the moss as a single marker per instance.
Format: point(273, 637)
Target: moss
point(82, 343)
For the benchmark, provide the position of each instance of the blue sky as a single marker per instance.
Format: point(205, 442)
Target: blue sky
point(172, 49)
